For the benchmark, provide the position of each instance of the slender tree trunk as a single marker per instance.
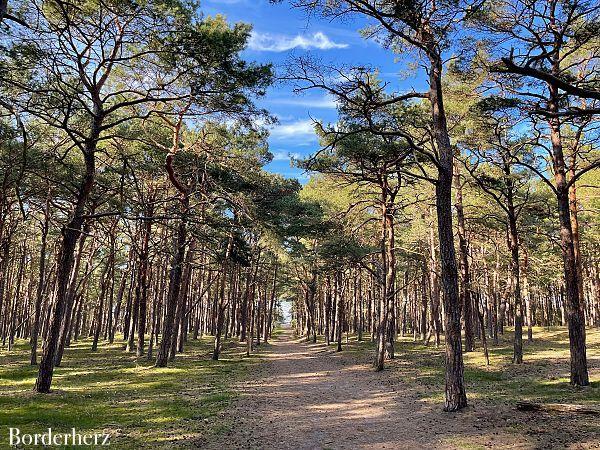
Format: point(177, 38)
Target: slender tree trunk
point(575, 228)
point(456, 397)
point(181, 329)
point(574, 309)
point(527, 295)
point(143, 279)
point(222, 302)
point(513, 240)
point(269, 324)
point(463, 250)
point(100, 312)
point(360, 308)
point(41, 282)
point(434, 283)
point(175, 274)
point(383, 301)
point(72, 293)
point(340, 309)
point(328, 310)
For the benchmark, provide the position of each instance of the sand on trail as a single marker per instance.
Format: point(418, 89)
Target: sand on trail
point(306, 396)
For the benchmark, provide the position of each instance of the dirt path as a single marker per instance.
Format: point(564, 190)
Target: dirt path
point(308, 397)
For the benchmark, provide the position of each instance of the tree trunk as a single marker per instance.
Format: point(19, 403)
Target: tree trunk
point(70, 235)
point(162, 354)
point(222, 302)
point(574, 309)
point(143, 279)
point(41, 283)
point(513, 243)
point(455, 393)
point(269, 324)
point(339, 300)
point(463, 250)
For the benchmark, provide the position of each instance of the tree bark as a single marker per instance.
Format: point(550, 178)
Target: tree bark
point(175, 273)
point(574, 309)
point(222, 302)
point(70, 234)
point(463, 250)
point(455, 393)
point(41, 283)
point(142, 284)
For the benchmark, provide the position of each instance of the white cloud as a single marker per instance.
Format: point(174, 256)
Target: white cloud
point(267, 42)
point(325, 102)
point(301, 129)
point(281, 155)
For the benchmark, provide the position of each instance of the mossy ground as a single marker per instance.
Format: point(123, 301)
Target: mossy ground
point(113, 391)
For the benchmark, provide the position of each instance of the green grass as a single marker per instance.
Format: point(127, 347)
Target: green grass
point(543, 377)
point(112, 391)
point(182, 405)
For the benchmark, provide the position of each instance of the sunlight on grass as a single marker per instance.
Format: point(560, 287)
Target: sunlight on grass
point(544, 375)
point(146, 407)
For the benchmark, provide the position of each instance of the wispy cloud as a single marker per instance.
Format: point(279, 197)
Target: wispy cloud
point(300, 130)
point(267, 42)
point(325, 102)
point(282, 155)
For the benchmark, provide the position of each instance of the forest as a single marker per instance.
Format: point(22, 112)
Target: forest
point(160, 281)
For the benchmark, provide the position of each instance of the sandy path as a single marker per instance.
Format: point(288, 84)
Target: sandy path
point(308, 397)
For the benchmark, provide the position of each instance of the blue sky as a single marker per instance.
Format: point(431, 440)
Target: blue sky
point(281, 32)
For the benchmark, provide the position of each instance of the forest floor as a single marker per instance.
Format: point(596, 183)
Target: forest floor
point(114, 392)
point(307, 396)
point(293, 394)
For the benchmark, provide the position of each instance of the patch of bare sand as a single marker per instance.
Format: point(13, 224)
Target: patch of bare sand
point(307, 397)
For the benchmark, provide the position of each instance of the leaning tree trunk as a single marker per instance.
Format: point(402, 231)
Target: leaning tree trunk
point(70, 235)
point(71, 294)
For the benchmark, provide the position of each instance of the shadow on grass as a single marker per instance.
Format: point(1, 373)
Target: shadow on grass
point(140, 405)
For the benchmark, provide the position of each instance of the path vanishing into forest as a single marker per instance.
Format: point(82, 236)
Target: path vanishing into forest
point(306, 396)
